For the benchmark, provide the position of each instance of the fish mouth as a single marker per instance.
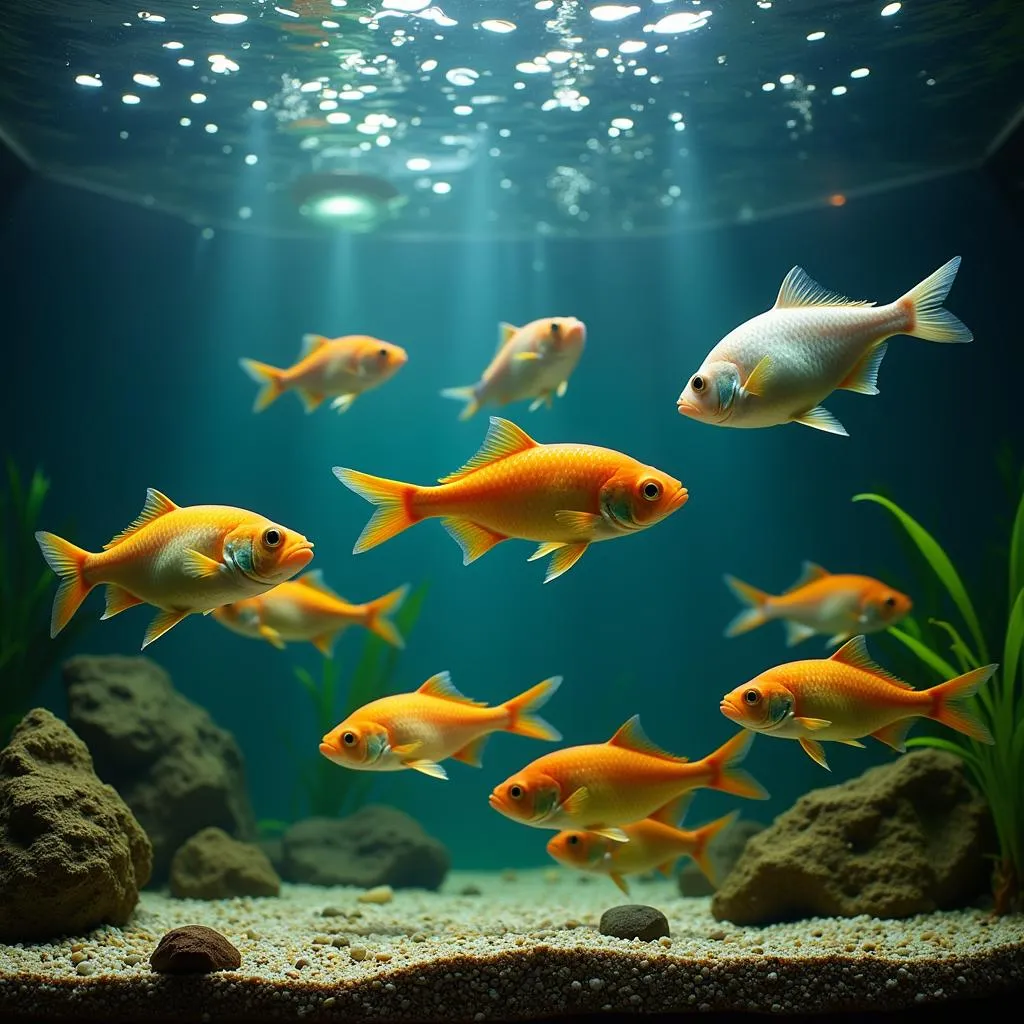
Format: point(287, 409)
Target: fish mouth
point(729, 710)
point(299, 554)
point(681, 497)
point(686, 408)
point(328, 751)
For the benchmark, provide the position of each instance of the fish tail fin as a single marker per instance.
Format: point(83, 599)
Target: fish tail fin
point(394, 506)
point(270, 377)
point(467, 395)
point(949, 703)
point(755, 614)
point(68, 562)
point(702, 840)
point(522, 719)
point(926, 316)
point(378, 621)
point(726, 777)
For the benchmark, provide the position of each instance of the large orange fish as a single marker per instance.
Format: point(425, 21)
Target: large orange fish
point(417, 730)
point(839, 606)
point(307, 609)
point(567, 496)
point(343, 368)
point(847, 697)
point(180, 559)
point(601, 786)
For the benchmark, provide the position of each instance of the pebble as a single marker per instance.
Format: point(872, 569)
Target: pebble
point(378, 894)
point(78, 956)
point(332, 912)
point(86, 967)
point(717, 934)
point(358, 952)
point(133, 960)
point(471, 890)
point(634, 921)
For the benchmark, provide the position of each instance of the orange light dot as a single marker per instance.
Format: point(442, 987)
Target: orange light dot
point(837, 200)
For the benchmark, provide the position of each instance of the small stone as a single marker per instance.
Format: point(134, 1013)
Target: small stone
point(382, 957)
point(194, 949)
point(86, 967)
point(419, 937)
point(358, 953)
point(378, 894)
point(132, 960)
point(328, 1002)
point(77, 947)
point(717, 934)
point(321, 940)
point(340, 941)
point(471, 890)
point(665, 941)
point(251, 933)
point(332, 912)
point(300, 963)
point(78, 957)
point(634, 921)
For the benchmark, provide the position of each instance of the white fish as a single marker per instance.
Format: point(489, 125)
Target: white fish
point(780, 365)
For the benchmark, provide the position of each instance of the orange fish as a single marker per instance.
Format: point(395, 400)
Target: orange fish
point(567, 496)
point(342, 367)
point(417, 730)
point(602, 786)
point(307, 609)
point(842, 605)
point(652, 843)
point(847, 697)
point(179, 559)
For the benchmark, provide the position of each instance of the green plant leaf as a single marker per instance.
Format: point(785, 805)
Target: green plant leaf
point(958, 647)
point(934, 661)
point(1011, 658)
point(1017, 552)
point(950, 746)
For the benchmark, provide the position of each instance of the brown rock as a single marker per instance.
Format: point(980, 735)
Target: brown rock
point(194, 949)
point(904, 838)
point(723, 852)
point(72, 856)
point(213, 866)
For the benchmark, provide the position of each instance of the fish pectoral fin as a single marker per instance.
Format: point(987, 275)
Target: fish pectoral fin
point(164, 621)
point(272, 637)
point(546, 549)
point(324, 643)
point(821, 419)
point(540, 400)
point(759, 378)
point(575, 802)
point(851, 743)
point(343, 403)
point(521, 357)
point(475, 540)
point(406, 750)
point(796, 632)
point(895, 734)
point(118, 599)
point(431, 768)
point(200, 566)
point(310, 399)
point(863, 378)
point(616, 835)
point(580, 524)
point(472, 751)
point(814, 751)
point(562, 388)
point(814, 724)
point(619, 881)
point(564, 559)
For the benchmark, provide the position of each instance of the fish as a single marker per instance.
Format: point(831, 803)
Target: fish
point(180, 559)
point(600, 787)
point(307, 609)
point(419, 730)
point(847, 697)
point(342, 368)
point(652, 843)
point(534, 361)
point(779, 366)
point(566, 496)
point(837, 605)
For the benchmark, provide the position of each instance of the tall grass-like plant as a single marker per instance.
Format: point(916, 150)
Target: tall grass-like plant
point(998, 768)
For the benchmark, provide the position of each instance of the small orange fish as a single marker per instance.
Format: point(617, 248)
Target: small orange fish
point(180, 559)
point(652, 843)
point(307, 609)
point(343, 367)
point(417, 730)
point(567, 496)
point(602, 786)
point(847, 697)
point(842, 605)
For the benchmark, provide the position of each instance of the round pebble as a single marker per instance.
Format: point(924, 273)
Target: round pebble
point(634, 921)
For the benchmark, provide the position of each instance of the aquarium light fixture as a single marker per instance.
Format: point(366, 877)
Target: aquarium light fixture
point(344, 200)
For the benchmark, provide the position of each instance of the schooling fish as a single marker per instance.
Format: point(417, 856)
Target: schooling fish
point(600, 787)
point(179, 559)
point(779, 366)
point(534, 361)
point(417, 730)
point(307, 609)
point(566, 496)
point(847, 697)
point(839, 606)
point(342, 367)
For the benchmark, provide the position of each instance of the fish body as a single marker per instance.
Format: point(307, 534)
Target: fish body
point(534, 361)
point(848, 697)
point(179, 559)
point(338, 368)
point(837, 605)
point(564, 496)
point(600, 787)
point(780, 365)
point(419, 730)
point(306, 609)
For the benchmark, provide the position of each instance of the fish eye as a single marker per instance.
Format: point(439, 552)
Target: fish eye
point(272, 537)
point(697, 383)
point(890, 602)
point(349, 739)
point(515, 792)
point(573, 839)
point(556, 329)
point(382, 352)
point(751, 696)
point(651, 490)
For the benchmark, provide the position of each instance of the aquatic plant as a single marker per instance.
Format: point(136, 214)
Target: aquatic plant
point(998, 768)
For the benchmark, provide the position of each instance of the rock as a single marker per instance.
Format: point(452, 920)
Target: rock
point(377, 845)
point(634, 921)
point(175, 768)
point(724, 852)
point(213, 866)
point(72, 856)
point(905, 838)
point(194, 949)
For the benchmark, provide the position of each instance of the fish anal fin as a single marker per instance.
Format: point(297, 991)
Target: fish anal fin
point(472, 751)
point(631, 736)
point(800, 289)
point(619, 881)
point(310, 399)
point(475, 540)
point(562, 389)
point(814, 751)
point(503, 439)
point(821, 419)
point(564, 558)
point(118, 599)
point(442, 687)
point(895, 734)
point(157, 505)
point(546, 549)
point(855, 654)
point(863, 378)
point(666, 868)
point(272, 637)
point(797, 632)
point(343, 403)
point(165, 620)
point(851, 743)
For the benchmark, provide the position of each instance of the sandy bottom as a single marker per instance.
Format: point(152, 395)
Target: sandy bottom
point(503, 947)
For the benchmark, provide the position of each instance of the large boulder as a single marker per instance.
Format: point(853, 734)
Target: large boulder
point(176, 769)
point(72, 856)
point(213, 866)
point(904, 838)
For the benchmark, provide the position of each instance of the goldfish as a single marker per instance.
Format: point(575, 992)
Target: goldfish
point(847, 697)
point(566, 496)
point(418, 730)
point(534, 361)
point(180, 559)
point(840, 604)
point(780, 365)
point(601, 786)
point(343, 367)
point(307, 609)
point(651, 843)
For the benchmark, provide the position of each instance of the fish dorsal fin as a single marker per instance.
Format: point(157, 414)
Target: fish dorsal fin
point(800, 289)
point(855, 654)
point(810, 573)
point(674, 811)
point(157, 505)
point(442, 687)
point(505, 331)
point(311, 342)
point(632, 737)
point(314, 579)
point(503, 439)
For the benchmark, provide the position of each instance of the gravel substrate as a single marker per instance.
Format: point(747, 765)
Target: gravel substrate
point(505, 947)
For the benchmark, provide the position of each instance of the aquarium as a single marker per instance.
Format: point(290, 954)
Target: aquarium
point(340, 336)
